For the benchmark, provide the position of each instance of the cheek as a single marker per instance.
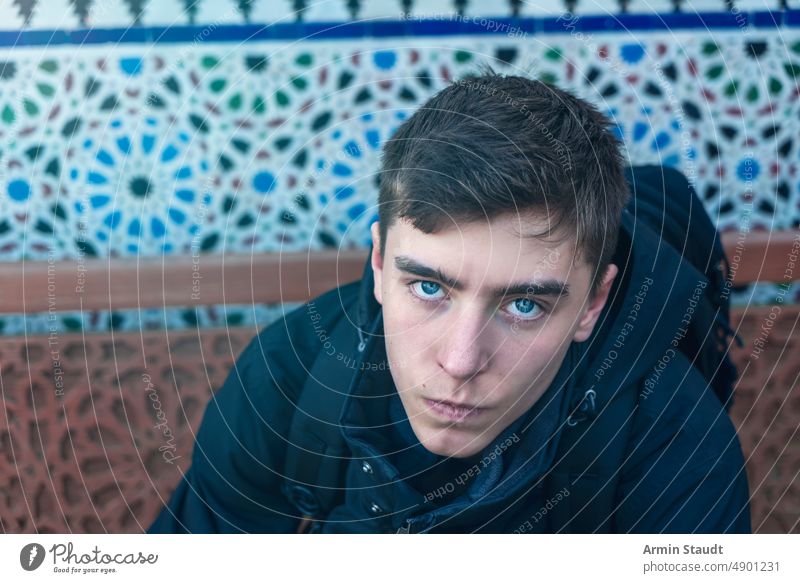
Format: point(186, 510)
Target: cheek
point(403, 316)
point(523, 361)
point(403, 329)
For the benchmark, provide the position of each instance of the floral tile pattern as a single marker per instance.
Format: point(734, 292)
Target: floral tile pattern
point(258, 147)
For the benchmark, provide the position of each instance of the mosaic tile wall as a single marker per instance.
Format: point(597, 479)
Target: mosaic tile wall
point(60, 14)
point(168, 148)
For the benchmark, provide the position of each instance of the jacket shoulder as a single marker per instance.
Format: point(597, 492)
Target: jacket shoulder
point(675, 399)
point(234, 482)
point(684, 467)
point(293, 341)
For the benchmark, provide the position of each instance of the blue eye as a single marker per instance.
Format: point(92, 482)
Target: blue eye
point(525, 307)
point(428, 288)
point(522, 309)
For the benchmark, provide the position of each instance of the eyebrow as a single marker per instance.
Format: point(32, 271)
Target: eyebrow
point(546, 287)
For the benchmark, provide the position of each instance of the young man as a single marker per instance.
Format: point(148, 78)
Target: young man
point(506, 363)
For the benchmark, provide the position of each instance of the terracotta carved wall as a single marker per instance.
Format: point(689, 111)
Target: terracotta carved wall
point(766, 414)
point(83, 447)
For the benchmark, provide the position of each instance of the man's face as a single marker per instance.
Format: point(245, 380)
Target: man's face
point(468, 354)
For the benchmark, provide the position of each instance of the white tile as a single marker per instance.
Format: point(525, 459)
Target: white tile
point(598, 7)
point(372, 9)
point(592, 7)
point(56, 14)
point(756, 5)
point(108, 14)
point(165, 13)
point(694, 6)
point(218, 13)
point(10, 18)
point(542, 8)
point(325, 11)
point(265, 11)
point(432, 8)
point(652, 6)
point(488, 8)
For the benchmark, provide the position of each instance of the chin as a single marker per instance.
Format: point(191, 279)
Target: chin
point(443, 442)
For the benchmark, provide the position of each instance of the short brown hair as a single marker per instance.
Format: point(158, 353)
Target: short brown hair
point(491, 144)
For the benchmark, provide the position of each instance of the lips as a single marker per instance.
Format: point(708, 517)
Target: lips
point(453, 411)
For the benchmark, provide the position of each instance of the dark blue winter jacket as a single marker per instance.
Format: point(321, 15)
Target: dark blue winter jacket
point(682, 469)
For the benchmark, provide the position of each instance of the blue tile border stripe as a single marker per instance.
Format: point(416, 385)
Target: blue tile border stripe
point(402, 28)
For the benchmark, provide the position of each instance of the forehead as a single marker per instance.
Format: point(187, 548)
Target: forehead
point(485, 255)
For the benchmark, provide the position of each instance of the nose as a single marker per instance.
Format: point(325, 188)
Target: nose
point(464, 348)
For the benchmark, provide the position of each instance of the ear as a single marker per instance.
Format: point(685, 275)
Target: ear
point(377, 262)
point(592, 313)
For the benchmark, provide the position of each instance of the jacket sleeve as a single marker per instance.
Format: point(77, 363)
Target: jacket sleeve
point(709, 499)
point(686, 481)
point(234, 482)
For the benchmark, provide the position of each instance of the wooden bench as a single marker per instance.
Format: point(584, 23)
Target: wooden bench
point(83, 446)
